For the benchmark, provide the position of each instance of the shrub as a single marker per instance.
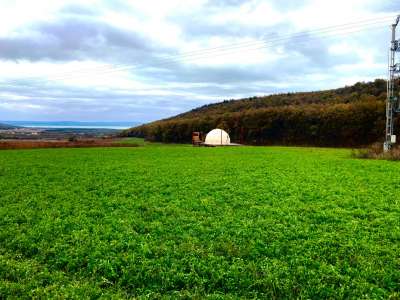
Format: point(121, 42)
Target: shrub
point(72, 139)
point(375, 151)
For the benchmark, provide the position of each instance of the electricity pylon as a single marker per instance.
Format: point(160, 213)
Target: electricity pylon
point(392, 102)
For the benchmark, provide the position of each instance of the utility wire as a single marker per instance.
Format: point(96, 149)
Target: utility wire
point(226, 51)
point(298, 42)
point(248, 43)
point(215, 50)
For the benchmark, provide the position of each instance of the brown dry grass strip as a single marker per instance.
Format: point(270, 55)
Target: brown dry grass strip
point(26, 144)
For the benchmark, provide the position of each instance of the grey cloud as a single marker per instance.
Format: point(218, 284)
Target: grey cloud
point(392, 6)
point(219, 75)
point(78, 34)
point(75, 39)
point(289, 4)
point(197, 26)
point(278, 4)
point(315, 50)
point(225, 3)
point(79, 9)
point(57, 102)
point(302, 56)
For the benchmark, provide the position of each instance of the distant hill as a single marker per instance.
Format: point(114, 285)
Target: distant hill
point(73, 124)
point(349, 116)
point(7, 126)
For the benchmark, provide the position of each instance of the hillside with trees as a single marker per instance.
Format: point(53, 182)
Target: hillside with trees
point(351, 116)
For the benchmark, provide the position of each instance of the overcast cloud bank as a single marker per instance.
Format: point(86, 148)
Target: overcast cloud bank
point(118, 60)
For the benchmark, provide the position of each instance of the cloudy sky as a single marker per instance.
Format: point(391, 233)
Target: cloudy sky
point(116, 60)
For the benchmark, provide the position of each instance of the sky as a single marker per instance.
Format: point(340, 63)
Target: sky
point(139, 61)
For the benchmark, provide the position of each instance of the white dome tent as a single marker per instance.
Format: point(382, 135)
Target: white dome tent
point(217, 137)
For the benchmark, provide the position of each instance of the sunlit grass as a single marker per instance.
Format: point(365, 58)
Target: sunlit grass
point(184, 222)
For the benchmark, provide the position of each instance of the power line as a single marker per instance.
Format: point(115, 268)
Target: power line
point(244, 44)
point(266, 39)
point(299, 42)
point(226, 51)
point(215, 51)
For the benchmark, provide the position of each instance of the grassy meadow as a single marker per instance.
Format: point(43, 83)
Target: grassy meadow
point(183, 222)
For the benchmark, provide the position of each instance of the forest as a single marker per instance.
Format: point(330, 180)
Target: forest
point(352, 116)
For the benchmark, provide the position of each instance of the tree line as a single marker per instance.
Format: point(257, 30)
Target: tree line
point(347, 117)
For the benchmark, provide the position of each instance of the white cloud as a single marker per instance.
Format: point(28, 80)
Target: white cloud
point(78, 64)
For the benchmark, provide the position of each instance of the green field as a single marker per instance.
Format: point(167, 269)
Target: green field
point(184, 222)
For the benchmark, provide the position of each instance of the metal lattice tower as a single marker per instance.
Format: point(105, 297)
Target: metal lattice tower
point(392, 102)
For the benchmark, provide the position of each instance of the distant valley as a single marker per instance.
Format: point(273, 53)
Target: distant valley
point(59, 129)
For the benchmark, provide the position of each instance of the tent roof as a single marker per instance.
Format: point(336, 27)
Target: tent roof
point(217, 137)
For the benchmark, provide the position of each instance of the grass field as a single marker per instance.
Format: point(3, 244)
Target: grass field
point(184, 222)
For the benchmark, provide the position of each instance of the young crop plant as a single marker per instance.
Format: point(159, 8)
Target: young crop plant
point(191, 222)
